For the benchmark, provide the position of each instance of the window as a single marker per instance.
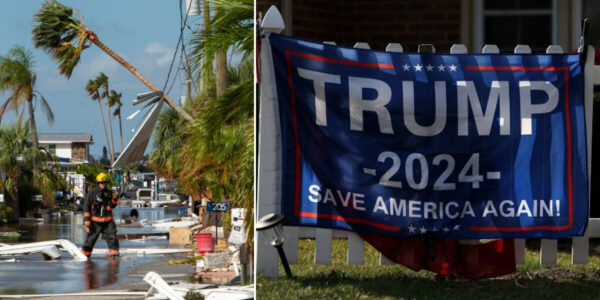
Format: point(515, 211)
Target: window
point(52, 148)
point(510, 22)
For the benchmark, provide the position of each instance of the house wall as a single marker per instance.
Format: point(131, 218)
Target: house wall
point(409, 22)
point(63, 150)
point(79, 151)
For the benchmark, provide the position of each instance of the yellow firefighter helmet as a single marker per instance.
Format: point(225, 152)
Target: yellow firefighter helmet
point(102, 178)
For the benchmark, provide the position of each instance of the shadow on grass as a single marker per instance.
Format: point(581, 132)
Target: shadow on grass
point(547, 284)
point(373, 281)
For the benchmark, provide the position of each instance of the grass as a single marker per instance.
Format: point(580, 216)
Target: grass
point(372, 281)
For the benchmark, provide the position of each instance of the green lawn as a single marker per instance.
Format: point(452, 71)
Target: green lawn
point(372, 281)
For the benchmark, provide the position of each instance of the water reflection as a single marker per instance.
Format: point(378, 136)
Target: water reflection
point(94, 276)
point(31, 274)
point(70, 226)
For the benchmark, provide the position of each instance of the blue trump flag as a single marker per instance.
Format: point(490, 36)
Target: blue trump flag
point(455, 146)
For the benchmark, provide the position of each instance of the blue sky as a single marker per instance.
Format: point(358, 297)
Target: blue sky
point(144, 32)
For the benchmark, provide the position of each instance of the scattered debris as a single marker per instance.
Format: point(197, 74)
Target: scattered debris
point(50, 250)
point(229, 293)
point(142, 251)
point(86, 294)
point(47, 248)
point(138, 236)
point(217, 260)
point(31, 220)
point(160, 289)
point(184, 222)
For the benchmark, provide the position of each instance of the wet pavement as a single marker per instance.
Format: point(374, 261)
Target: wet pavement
point(32, 275)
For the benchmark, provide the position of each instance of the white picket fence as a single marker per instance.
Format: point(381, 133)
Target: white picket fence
point(268, 193)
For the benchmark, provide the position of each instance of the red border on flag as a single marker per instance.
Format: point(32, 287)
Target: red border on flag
point(298, 213)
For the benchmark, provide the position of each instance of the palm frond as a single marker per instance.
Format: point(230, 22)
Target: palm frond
point(60, 34)
point(4, 106)
point(45, 108)
point(231, 27)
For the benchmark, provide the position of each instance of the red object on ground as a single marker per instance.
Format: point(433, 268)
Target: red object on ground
point(479, 261)
point(205, 243)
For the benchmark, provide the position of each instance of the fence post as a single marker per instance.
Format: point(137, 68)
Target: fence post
point(548, 248)
point(581, 244)
point(520, 243)
point(267, 259)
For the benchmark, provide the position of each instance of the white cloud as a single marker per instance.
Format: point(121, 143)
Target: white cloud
point(164, 54)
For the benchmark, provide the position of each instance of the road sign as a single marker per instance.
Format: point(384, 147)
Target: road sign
point(217, 207)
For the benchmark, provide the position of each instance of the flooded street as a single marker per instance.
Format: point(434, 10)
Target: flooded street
point(32, 275)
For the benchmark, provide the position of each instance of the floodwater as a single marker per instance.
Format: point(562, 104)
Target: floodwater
point(32, 275)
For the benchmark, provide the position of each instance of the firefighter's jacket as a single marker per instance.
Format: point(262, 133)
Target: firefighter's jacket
point(98, 206)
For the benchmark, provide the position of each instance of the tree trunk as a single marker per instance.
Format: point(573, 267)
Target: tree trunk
point(206, 20)
point(17, 209)
point(221, 68)
point(121, 131)
point(112, 141)
point(94, 39)
point(105, 133)
point(221, 72)
point(15, 194)
point(34, 135)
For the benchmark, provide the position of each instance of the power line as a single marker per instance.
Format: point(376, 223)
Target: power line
point(183, 22)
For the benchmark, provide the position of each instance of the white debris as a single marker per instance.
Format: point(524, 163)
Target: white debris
point(49, 248)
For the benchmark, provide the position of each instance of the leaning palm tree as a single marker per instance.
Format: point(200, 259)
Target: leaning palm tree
point(18, 79)
point(102, 81)
point(93, 89)
point(114, 98)
point(65, 37)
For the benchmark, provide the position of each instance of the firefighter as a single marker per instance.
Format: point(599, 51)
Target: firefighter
point(98, 218)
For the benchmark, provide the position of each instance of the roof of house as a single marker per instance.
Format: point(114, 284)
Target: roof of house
point(66, 137)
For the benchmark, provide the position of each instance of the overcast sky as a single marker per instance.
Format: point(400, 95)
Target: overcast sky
point(144, 32)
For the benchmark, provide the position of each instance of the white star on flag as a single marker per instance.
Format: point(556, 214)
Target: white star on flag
point(411, 228)
point(446, 229)
point(429, 67)
point(406, 67)
point(452, 67)
point(456, 227)
point(418, 67)
point(434, 229)
point(441, 68)
point(422, 229)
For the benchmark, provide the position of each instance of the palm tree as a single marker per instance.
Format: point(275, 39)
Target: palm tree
point(231, 27)
point(169, 137)
point(218, 151)
point(18, 78)
point(114, 98)
point(206, 23)
point(65, 37)
point(19, 159)
point(102, 80)
point(221, 63)
point(93, 89)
